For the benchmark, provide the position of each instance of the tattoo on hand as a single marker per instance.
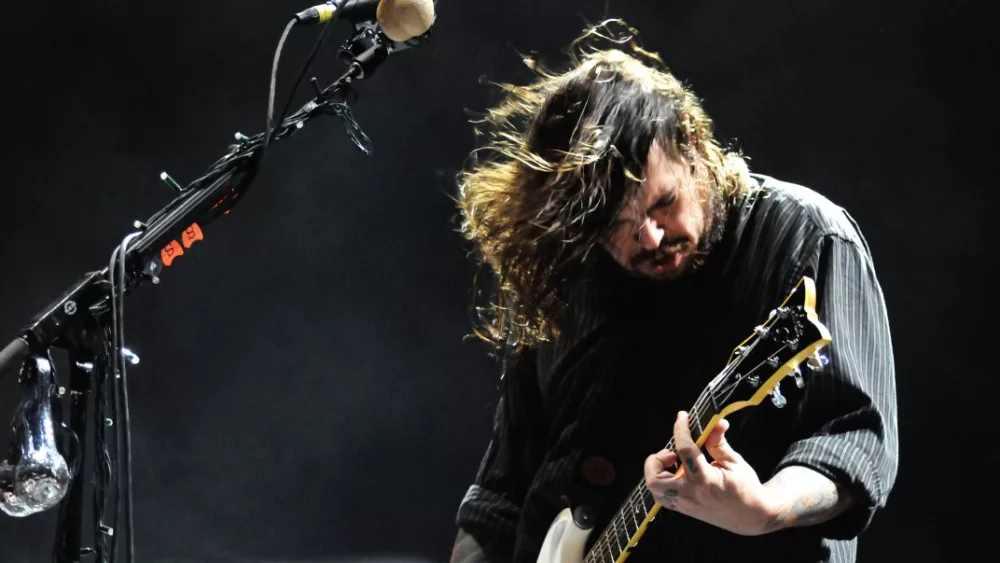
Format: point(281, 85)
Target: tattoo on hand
point(689, 462)
point(669, 499)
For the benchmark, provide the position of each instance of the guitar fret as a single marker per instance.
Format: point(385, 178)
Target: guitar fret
point(632, 511)
point(605, 551)
point(618, 538)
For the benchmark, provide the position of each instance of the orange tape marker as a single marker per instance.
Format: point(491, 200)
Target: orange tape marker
point(171, 252)
point(192, 234)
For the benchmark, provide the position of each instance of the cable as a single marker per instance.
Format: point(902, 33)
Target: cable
point(298, 81)
point(103, 460)
point(305, 68)
point(259, 142)
point(121, 384)
point(274, 81)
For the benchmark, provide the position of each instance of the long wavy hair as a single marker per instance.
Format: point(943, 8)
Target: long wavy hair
point(561, 157)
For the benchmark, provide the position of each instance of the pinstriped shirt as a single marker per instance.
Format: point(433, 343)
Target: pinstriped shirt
point(605, 395)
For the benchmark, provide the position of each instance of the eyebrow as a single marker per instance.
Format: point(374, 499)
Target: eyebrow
point(665, 200)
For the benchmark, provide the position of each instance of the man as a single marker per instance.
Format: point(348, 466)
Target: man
point(630, 253)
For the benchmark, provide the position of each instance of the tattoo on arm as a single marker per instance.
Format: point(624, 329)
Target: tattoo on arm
point(808, 509)
point(813, 498)
point(467, 550)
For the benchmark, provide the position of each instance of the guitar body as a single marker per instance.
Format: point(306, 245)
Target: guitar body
point(564, 541)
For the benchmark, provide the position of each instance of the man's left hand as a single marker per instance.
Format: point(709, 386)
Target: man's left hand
point(726, 492)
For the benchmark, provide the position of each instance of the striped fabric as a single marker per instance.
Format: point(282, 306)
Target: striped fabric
point(610, 390)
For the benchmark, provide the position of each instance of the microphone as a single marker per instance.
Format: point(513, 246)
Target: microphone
point(353, 10)
point(399, 20)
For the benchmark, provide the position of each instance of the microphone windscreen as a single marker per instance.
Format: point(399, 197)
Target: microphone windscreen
point(401, 20)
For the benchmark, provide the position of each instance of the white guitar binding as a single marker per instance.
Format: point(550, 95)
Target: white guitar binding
point(567, 537)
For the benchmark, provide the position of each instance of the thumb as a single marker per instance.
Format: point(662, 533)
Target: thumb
point(718, 447)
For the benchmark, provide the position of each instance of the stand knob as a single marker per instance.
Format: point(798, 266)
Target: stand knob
point(130, 356)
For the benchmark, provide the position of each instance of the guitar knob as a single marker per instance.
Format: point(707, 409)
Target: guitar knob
point(778, 399)
point(583, 517)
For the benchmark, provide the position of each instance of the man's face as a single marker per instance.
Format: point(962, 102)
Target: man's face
point(658, 235)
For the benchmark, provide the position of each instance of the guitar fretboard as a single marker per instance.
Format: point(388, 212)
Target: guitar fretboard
point(622, 532)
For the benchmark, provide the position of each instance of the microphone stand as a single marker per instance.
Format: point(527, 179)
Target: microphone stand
point(78, 320)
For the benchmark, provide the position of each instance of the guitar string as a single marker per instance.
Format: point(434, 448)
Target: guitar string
point(618, 523)
point(640, 495)
point(605, 539)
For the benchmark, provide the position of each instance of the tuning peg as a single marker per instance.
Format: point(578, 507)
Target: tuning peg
point(799, 382)
point(777, 398)
point(817, 361)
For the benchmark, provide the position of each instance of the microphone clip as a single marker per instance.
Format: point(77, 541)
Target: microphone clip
point(368, 47)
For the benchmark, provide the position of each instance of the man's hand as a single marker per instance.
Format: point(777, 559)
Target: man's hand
point(726, 492)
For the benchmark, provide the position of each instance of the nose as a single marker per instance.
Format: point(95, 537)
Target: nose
point(650, 235)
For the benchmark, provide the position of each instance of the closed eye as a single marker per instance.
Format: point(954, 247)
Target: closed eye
point(664, 201)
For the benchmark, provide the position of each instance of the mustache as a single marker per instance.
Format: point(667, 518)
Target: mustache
point(671, 246)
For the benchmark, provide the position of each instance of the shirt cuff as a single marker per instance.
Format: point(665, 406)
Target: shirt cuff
point(491, 519)
point(850, 467)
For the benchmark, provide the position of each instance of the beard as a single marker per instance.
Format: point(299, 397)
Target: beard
point(714, 229)
point(691, 256)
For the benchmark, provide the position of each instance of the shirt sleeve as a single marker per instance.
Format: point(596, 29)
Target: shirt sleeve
point(490, 509)
point(846, 427)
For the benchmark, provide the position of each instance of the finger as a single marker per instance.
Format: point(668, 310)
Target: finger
point(689, 452)
point(717, 445)
point(655, 468)
point(667, 460)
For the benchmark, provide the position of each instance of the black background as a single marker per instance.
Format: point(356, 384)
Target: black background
point(305, 391)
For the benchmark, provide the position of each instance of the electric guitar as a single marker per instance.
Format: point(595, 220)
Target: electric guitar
point(791, 335)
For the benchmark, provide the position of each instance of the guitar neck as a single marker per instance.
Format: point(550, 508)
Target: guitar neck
point(629, 523)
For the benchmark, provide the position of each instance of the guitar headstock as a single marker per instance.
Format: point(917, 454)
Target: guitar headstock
point(791, 335)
